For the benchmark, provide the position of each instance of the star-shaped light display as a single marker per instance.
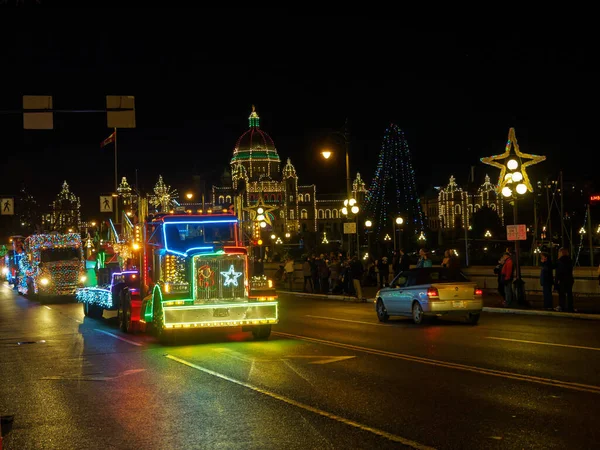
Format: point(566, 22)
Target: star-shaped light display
point(261, 212)
point(231, 276)
point(507, 178)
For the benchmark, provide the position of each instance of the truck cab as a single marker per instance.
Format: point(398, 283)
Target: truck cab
point(195, 275)
point(53, 265)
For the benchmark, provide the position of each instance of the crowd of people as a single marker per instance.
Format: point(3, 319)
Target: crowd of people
point(337, 274)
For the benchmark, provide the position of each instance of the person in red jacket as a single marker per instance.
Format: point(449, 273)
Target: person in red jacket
point(507, 278)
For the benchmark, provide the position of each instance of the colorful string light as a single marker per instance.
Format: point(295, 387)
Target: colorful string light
point(393, 189)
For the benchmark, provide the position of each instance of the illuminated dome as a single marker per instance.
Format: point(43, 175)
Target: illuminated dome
point(255, 150)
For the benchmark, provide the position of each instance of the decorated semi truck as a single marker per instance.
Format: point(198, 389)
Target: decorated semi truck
point(52, 265)
point(185, 271)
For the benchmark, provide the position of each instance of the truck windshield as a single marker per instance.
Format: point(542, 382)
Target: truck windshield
point(59, 254)
point(182, 237)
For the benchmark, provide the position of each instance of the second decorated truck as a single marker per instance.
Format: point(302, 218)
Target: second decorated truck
point(187, 271)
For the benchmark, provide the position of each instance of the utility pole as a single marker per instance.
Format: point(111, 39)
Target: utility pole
point(562, 213)
point(591, 239)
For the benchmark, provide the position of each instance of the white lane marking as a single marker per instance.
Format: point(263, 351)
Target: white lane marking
point(391, 437)
point(47, 307)
point(119, 337)
point(449, 365)
point(544, 343)
point(348, 320)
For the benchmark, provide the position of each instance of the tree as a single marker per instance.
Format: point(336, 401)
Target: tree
point(486, 219)
point(393, 190)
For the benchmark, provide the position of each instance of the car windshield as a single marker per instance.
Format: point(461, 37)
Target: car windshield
point(182, 237)
point(59, 254)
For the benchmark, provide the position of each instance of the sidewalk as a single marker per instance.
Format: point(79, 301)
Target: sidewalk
point(586, 307)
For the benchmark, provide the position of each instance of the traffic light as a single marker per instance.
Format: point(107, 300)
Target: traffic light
point(260, 242)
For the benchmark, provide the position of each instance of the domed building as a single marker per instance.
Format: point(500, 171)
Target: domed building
point(258, 178)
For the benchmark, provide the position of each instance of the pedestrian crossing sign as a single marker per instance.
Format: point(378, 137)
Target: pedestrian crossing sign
point(7, 206)
point(106, 203)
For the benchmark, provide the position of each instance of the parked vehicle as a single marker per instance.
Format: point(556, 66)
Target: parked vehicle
point(430, 292)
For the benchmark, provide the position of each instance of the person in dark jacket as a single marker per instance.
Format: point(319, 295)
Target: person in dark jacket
point(356, 271)
point(564, 281)
point(384, 272)
point(404, 262)
point(546, 279)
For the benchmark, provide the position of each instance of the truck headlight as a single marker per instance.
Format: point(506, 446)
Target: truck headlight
point(83, 278)
point(4, 270)
point(44, 281)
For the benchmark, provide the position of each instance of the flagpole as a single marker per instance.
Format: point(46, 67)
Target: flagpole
point(116, 181)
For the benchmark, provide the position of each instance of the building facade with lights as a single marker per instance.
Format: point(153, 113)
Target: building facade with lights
point(65, 215)
point(451, 207)
point(260, 179)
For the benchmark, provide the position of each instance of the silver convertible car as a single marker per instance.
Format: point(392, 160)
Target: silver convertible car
point(431, 291)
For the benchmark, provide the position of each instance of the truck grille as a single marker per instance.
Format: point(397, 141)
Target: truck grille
point(219, 278)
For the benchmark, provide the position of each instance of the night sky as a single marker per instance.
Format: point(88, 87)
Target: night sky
point(195, 76)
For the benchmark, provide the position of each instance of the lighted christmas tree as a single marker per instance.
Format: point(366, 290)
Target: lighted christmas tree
point(163, 197)
point(393, 191)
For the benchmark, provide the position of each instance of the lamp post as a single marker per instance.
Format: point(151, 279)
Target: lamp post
point(351, 208)
point(399, 222)
point(510, 191)
point(514, 181)
point(327, 153)
point(368, 225)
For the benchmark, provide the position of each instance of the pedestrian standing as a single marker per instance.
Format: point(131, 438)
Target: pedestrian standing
point(306, 271)
point(546, 279)
point(356, 271)
point(508, 275)
point(564, 281)
point(289, 273)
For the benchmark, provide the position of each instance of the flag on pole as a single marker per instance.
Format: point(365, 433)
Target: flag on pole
point(108, 140)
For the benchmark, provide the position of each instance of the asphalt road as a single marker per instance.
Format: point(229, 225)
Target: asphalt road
point(330, 376)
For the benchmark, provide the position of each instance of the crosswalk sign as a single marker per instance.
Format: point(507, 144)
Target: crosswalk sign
point(7, 207)
point(106, 203)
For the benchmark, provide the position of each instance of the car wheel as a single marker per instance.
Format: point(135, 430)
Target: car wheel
point(473, 318)
point(417, 313)
point(382, 314)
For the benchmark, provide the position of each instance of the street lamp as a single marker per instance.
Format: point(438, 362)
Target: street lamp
point(351, 208)
point(514, 181)
point(513, 188)
point(189, 195)
point(327, 154)
point(399, 222)
point(368, 225)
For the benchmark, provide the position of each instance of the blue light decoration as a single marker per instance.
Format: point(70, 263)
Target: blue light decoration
point(102, 295)
point(208, 248)
point(393, 190)
point(231, 276)
point(95, 296)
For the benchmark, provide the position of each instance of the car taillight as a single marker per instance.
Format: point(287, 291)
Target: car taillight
point(433, 293)
point(478, 292)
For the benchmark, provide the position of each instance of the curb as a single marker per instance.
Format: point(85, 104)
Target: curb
point(537, 312)
point(489, 309)
point(339, 298)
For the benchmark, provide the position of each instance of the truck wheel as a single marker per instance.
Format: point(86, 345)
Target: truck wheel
point(261, 332)
point(92, 311)
point(124, 312)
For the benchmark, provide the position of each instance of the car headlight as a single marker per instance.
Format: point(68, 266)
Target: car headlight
point(44, 281)
point(83, 278)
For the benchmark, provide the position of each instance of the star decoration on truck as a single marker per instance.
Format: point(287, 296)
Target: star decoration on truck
point(231, 277)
